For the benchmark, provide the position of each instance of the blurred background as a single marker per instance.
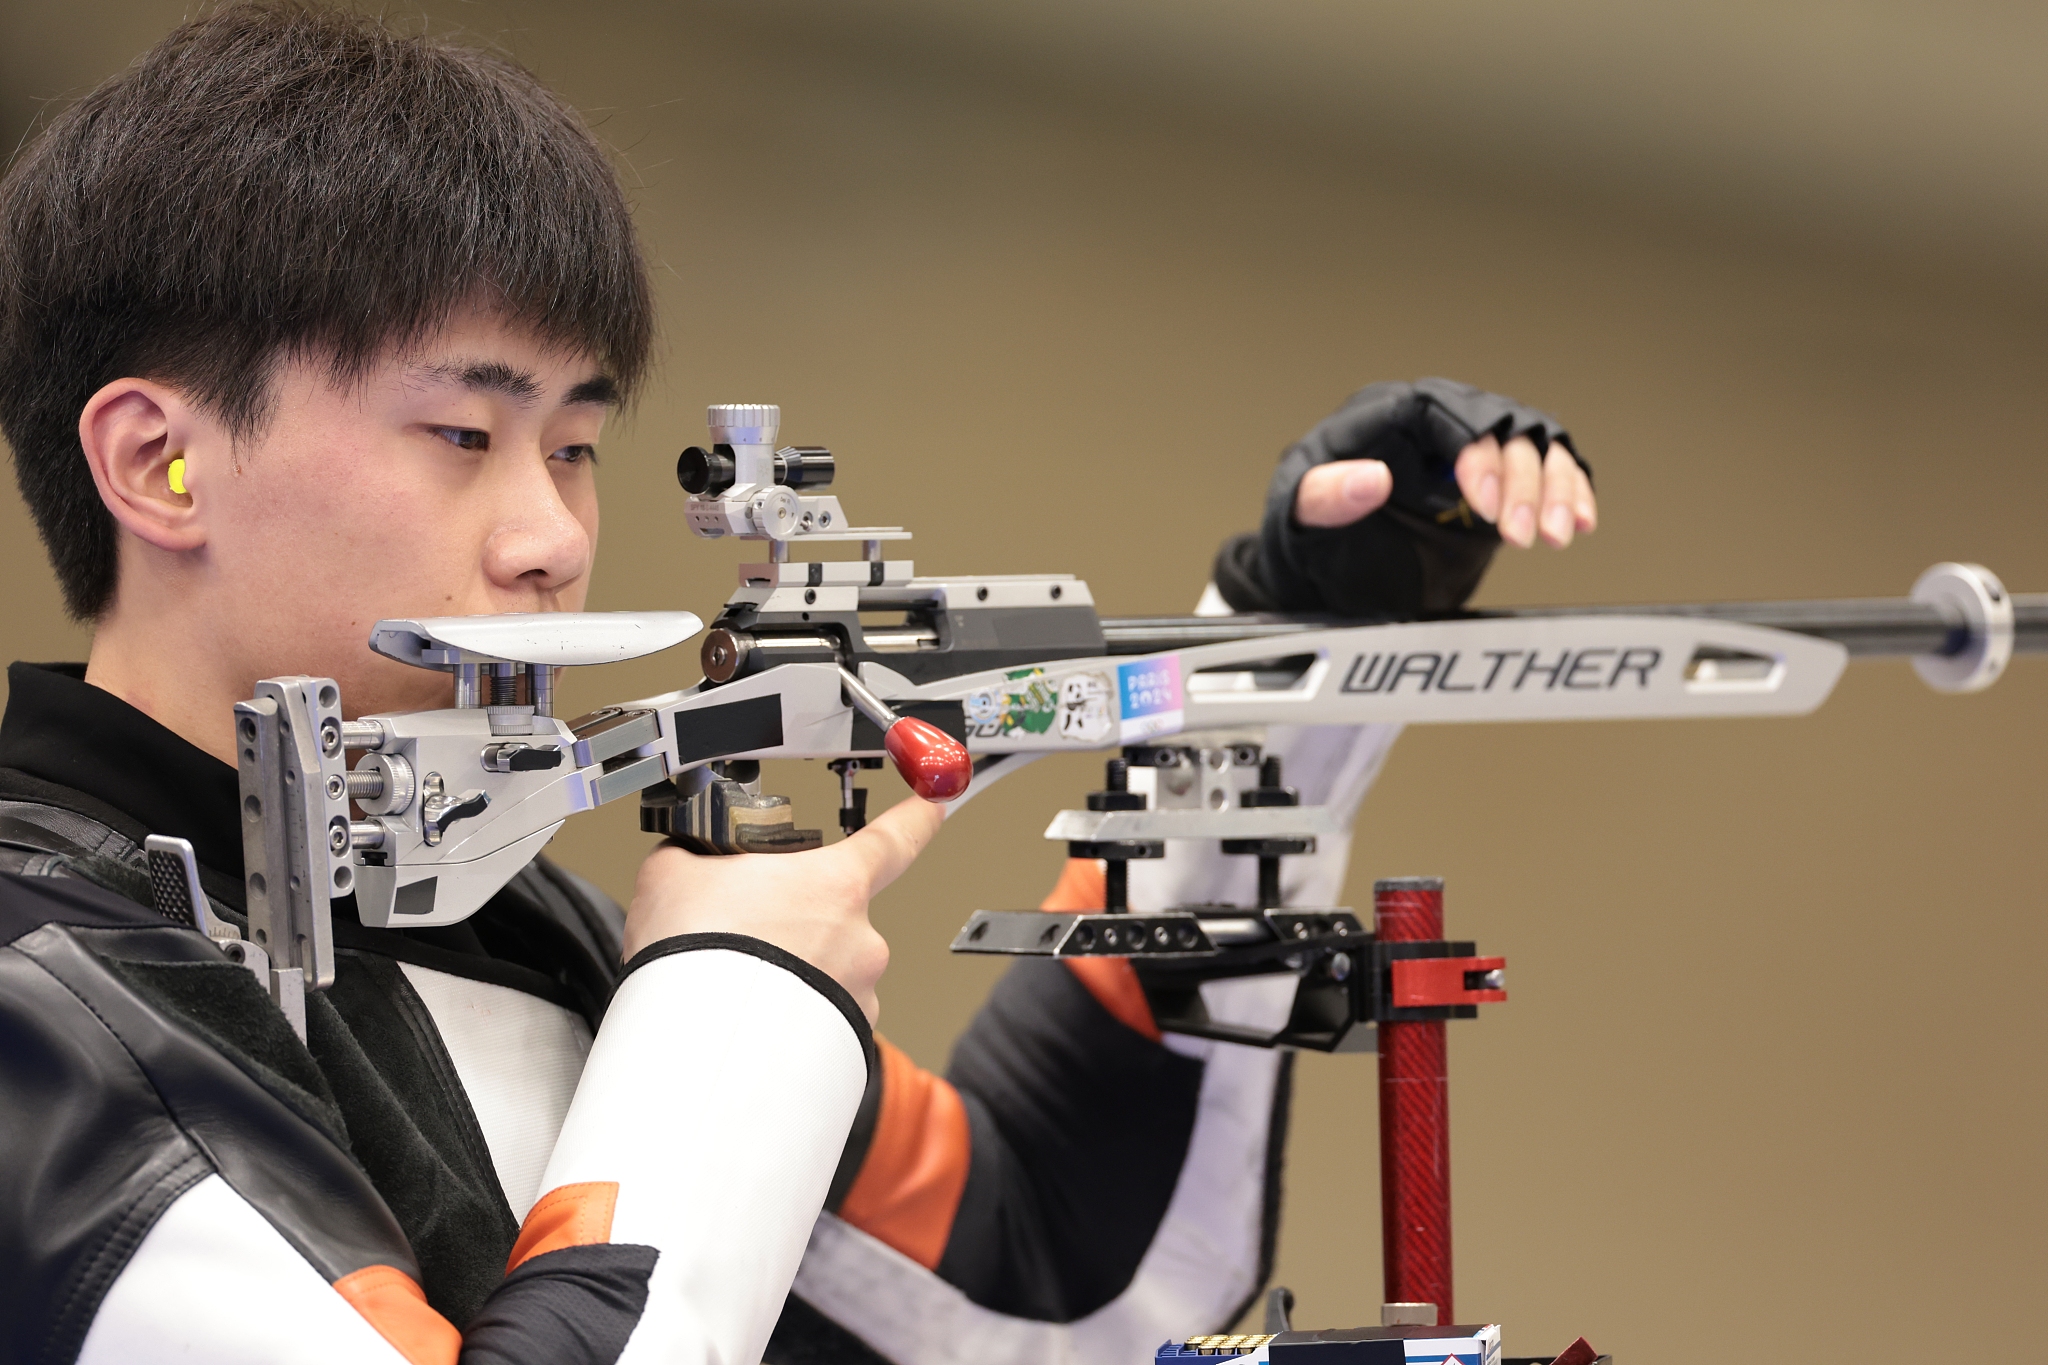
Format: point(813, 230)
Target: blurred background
point(1058, 281)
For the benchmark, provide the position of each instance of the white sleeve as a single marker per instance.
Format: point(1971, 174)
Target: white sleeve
point(214, 1282)
point(707, 1124)
point(718, 1097)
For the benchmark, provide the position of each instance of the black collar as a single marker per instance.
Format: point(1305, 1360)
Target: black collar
point(63, 730)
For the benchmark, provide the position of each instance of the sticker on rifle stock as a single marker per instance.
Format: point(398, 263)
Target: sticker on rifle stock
point(1026, 702)
point(1087, 708)
point(1151, 698)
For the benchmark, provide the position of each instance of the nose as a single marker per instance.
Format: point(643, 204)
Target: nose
point(539, 545)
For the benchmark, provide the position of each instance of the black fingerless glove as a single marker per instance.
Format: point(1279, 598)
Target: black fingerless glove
point(1425, 550)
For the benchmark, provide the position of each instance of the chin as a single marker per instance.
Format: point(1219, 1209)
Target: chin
point(383, 685)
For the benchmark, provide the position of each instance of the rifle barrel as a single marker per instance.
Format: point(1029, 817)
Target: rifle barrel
point(1868, 627)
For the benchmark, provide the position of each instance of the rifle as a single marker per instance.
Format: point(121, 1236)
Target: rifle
point(958, 680)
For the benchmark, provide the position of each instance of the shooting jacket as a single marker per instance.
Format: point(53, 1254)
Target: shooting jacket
point(498, 1145)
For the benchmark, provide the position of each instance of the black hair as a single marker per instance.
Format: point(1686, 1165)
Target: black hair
point(276, 180)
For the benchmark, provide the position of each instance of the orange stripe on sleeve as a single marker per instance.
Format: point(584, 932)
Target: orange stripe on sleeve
point(391, 1302)
point(566, 1216)
point(910, 1182)
point(1109, 979)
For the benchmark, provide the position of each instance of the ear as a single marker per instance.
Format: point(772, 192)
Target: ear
point(132, 432)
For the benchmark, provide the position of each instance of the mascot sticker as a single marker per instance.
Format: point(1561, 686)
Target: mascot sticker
point(1087, 708)
point(1026, 702)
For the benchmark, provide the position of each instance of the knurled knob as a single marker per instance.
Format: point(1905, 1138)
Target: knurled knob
point(744, 424)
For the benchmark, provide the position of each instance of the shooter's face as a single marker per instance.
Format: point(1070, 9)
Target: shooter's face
point(455, 478)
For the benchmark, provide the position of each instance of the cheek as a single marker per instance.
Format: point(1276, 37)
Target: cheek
point(322, 486)
point(322, 539)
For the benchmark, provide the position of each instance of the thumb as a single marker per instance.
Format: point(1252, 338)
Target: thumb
point(1341, 492)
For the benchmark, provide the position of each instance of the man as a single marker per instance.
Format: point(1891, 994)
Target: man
point(306, 325)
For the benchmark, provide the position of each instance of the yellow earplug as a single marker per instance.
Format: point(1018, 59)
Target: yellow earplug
point(177, 473)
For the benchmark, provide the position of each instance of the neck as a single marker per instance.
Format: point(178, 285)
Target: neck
point(163, 663)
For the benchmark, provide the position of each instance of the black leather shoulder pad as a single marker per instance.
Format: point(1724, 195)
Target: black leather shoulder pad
point(114, 1108)
point(27, 903)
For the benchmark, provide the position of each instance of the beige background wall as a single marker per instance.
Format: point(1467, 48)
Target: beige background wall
point(1058, 281)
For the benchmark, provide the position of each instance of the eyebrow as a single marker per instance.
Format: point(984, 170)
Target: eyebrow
point(494, 376)
point(599, 388)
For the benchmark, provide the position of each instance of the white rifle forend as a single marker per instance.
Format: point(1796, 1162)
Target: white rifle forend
point(456, 801)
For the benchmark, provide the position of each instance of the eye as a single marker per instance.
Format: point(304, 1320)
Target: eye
point(464, 438)
point(585, 454)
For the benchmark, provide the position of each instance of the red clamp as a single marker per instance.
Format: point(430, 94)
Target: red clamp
point(1424, 981)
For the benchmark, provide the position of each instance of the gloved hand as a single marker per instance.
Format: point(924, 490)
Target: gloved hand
point(1394, 504)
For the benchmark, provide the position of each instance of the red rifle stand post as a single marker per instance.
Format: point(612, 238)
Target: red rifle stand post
point(1423, 981)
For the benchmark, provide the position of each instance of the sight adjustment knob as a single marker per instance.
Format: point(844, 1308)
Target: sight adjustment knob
point(744, 424)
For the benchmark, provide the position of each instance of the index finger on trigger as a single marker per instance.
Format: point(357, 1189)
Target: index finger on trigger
point(891, 842)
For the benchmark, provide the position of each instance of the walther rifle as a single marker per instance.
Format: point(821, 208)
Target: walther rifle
point(420, 817)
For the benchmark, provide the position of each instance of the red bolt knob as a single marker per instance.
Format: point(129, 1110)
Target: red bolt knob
point(934, 763)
